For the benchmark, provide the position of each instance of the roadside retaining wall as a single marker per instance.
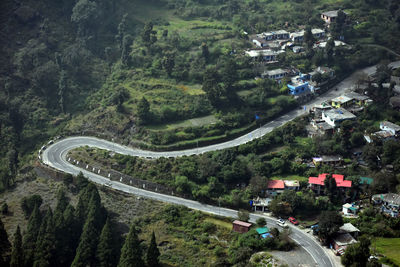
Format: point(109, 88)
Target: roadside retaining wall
point(113, 175)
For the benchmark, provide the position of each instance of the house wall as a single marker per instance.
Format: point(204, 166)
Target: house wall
point(240, 228)
point(297, 90)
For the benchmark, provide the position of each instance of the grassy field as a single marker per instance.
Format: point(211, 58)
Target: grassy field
point(195, 122)
point(389, 247)
point(219, 222)
point(290, 177)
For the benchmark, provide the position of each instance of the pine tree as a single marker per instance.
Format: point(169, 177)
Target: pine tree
point(67, 237)
point(17, 254)
point(5, 245)
point(131, 253)
point(31, 236)
point(62, 203)
point(152, 253)
point(86, 251)
point(106, 254)
point(45, 244)
point(81, 181)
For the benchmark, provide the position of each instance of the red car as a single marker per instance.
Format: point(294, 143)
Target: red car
point(293, 220)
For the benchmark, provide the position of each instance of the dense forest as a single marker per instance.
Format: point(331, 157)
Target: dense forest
point(83, 235)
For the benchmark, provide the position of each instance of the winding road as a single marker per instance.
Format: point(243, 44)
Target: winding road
point(55, 156)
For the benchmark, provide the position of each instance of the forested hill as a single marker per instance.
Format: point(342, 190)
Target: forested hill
point(69, 66)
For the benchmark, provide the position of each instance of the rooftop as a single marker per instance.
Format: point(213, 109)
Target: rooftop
point(390, 125)
point(317, 31)
point(276, 184)
point(340, 182)
point(389, 197)
point(366, 180)
point(291, 183)
point(344, 239)
point(356, 96)
point(342, 99)
point(245, 224)
point(324, 126)
point(260, 39)
point(323, 44)
point(339, 114)
point(262, 52)
point(332, 13)
point(262, 230)
point(327, 158)
point(383, 134)
point(348, 228)
point(274, 72)
point(280, 32)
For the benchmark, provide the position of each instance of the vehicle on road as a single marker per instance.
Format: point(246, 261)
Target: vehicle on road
point(293, 220)
point(281, 222)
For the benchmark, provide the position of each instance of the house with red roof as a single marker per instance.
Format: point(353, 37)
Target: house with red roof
point(275, 187)
point(317, 183)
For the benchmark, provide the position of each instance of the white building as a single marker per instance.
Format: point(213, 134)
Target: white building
point(335, 116)
point(394, 129)
point(275, 74)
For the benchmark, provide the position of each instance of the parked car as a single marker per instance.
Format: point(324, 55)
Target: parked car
point(293, 220)
point(281, 222)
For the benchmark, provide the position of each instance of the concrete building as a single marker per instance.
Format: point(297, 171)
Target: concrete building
point(292, 184)
point(275, 187)
point(390, 203)
point(330, 16)
point(341, 101)
point(336, 116)
point(341, 241)
point(275, 74)
point(260, 204)
point(260, 42)
point(263, 54)
point(394, 129)
point(350, 229)
point(350, 209)
point(328, 160)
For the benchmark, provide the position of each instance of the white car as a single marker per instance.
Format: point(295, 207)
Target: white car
point(281, 222)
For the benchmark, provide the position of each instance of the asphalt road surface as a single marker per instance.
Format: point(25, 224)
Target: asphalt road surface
point(55, 156)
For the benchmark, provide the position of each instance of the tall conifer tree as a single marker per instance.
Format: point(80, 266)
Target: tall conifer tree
point(152, 253)
point(45, 244)
point(17, 254)
point(5, 245)
point(106, 254)
point(131, 253)
point(31, 236)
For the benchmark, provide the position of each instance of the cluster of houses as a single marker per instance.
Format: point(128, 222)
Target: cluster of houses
point(390, 203)
point(388, 131)
point(329, 115)
point(272, 43)
point(301, 84)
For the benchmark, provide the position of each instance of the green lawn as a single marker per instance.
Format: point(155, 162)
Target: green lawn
point(290, 177)
point(218, 222)
point(195, 122)
point(389, 247)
